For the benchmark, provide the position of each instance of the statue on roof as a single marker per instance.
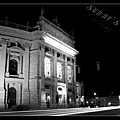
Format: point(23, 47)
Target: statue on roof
point(72, 32)
point(56, 21)
point(42, 11)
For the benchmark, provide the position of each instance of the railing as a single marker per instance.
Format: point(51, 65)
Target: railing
point(26, 28)
point(56, 27)
point(14, 25)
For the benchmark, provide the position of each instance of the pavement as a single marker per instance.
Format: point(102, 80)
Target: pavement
point(57, 112)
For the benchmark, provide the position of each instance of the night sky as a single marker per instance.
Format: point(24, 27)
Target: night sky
point(91, 40)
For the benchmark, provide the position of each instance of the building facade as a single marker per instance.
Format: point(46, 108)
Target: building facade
point(80, 94)
point(37, 68)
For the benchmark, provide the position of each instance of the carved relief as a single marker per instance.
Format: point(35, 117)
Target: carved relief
point(4, 41)
point(27, 45)
point(14, 56)
point(58, 36)
point(14, 32)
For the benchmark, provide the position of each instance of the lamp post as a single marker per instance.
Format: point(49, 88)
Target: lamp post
point(95, 98)
point(119, 99)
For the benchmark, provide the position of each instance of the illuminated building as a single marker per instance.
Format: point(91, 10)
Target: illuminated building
point(36, 66)
point(79, 93)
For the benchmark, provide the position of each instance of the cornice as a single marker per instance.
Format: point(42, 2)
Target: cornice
point(15, 32)
point(57, 34)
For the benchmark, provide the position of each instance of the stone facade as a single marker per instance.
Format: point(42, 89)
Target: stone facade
point(24, 79)
point(80, 94)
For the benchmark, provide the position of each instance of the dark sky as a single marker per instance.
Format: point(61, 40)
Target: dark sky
point(92, 42)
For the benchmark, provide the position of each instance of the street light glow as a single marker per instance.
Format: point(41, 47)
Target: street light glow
point(94, 93)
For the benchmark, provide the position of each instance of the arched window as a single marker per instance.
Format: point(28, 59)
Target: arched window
point(13, 67)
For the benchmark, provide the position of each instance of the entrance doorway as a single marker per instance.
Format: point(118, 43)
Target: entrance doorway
point(48, 95)
point(11, 97)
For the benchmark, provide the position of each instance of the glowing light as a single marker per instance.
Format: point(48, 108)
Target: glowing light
point(94, 93)
point(69, 73)
point(119, 96)
point(47, 66)
point(59, 70)
point(60, 45)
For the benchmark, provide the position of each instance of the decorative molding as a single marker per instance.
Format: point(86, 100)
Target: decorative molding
point(58, 35)
point(15, 56)
point(27, 45)
point(4, 41)
point(15, 32)
point(14, 80)
point(15, 47)
point(36, 35)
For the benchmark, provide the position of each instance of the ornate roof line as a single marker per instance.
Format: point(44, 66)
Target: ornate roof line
point(42, 18)
point(14, 25)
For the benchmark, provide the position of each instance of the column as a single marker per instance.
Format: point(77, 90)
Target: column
point(74, 80)
point(6, 95)
point(52, 78)
point(2, 72)
point(42, 89)
point(55, 78)
point(25, 96)
point(20, 74)
point(66, 81)
point(19, 93)
point(20, 87)
point(8, 58)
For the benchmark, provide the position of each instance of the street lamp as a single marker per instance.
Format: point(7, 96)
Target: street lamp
point(119, 99)
point(95, 98)
point(94, 94)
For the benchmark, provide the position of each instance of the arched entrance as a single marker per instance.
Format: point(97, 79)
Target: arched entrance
point(11, 97)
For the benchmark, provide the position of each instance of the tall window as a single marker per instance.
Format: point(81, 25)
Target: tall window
point(13, 67)
point(47, 63)
point(59, 70)
point(69, 74)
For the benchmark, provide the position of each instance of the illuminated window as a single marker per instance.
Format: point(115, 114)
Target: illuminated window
point(69, 74)
point(47, 67)
point(59, 70)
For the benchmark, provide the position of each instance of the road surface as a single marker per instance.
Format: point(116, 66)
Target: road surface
point(115, 112)
point(65, 112)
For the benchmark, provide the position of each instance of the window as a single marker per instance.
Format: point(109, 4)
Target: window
point(59, 70)
point(47, 67)
point(13, 67)
point(69, 74)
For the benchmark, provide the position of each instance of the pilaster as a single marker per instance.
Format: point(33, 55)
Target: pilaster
point(21, 61)
point(2, 72)
point(26, 74)
point(65, 76)
point(8, 59)
point(42, 89)
point(74, 80)
point(55, 78)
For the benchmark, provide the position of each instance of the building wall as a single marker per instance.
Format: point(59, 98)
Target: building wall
point(80, 93)
point(30, 85)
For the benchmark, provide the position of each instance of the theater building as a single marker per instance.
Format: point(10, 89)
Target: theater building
point(80, 94)
point(37, 68)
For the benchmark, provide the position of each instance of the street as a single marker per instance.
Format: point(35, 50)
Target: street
point(113, 110)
